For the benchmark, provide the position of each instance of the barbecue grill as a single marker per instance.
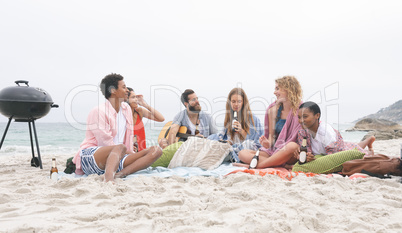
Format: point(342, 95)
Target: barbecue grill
point(25, 104)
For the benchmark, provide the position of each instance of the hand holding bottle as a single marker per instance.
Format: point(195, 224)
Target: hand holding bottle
point(235, 122)
point(236, 126)
point(303, 152)
point(310, 157)
point(135, 144)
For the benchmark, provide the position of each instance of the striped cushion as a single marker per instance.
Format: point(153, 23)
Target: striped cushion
point(200, 152)
point(328, 163)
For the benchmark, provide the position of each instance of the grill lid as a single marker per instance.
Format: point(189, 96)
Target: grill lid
point(25, 94)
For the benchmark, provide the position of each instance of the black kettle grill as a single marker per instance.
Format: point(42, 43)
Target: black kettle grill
point(25, 104)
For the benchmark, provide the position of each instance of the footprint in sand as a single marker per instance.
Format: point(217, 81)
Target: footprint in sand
point(4, 198)
point(80, 192)
point(23, 190)
point(169, 203)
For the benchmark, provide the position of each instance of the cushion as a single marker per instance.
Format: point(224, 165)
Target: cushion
point(200, 152)
point(328, 163)
point(167, 155)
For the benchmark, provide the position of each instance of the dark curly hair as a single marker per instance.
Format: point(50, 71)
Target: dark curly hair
point(184, 96)
point(110, 82)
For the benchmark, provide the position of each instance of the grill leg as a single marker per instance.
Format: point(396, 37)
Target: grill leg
point(30, 136)
point(37, 144)
point(5, 131)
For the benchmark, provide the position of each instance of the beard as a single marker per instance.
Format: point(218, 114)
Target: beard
point(195, 109)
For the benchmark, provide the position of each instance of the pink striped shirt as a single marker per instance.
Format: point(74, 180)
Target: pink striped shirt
point(102, 128)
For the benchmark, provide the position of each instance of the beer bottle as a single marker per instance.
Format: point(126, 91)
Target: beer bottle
point(303, 151)
point(135, 143)
point(234, 119)
point(254, 160)
point(54, 171)
point(196, 128)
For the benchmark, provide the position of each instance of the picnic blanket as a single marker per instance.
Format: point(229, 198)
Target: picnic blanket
point(288, 174)
point(222, 171)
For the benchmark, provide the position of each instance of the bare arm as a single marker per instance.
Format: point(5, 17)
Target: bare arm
point(271, 122)
point(174, 128)
point(148, 112)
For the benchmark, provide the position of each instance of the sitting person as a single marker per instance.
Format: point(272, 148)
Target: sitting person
point(198, 123)
point(243, 133)
point(141, 109)
point(322, 138)
point(281, 127)
point(108, 145)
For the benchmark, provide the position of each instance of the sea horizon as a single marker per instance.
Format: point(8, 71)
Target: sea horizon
point(63, 138)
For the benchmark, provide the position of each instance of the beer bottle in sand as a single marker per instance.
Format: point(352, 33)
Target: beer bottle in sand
point(54, 172)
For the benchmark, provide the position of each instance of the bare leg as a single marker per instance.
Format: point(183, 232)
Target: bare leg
point(369, 143)
point(285, 155)
point(247, 155)
point(140, 160)
point(108, 158)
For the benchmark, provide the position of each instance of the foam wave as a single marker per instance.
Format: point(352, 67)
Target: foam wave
point(7, 150)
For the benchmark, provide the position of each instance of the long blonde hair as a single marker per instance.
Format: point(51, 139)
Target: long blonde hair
point(292, 86)
point(244, 115)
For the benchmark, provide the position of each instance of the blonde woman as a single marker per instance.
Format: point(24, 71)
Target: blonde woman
point(281, 127)
point(243, 132)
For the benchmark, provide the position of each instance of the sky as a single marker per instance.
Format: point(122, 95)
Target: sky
point(347, 55)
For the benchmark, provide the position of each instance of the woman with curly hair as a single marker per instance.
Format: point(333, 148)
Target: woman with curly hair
point(243, 132)
point(278, 143)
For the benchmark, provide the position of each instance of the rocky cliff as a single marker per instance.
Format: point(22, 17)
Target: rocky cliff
point(391, 113)
point(384, 125)
point(381, 129)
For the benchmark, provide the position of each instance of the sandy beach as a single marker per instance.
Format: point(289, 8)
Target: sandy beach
point(31, 202)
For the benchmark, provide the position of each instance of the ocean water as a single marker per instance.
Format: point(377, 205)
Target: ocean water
point(62, 138)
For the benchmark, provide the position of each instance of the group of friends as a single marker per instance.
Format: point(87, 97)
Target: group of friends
point(112, 127)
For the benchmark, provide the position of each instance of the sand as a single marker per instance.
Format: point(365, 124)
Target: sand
point(31, 202)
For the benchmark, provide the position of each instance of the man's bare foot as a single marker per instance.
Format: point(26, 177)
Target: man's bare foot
point(119, 175)
point(109, 177)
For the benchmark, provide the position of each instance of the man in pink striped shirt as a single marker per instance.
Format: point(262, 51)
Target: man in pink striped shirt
point(108, 145)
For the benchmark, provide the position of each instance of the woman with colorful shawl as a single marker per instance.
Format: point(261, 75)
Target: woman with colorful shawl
point(279, 145)
point(321, 138)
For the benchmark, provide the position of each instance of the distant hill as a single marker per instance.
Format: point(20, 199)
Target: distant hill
point(391, 113)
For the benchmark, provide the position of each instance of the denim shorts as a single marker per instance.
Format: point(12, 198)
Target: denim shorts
point(88, 163)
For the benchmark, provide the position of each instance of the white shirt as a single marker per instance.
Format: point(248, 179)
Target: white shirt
point(121, 128)
point(191, 126)
point(325, 136)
